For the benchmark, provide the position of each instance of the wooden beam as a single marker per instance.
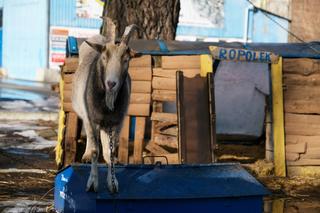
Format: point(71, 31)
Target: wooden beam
point(164, 95)
point(70, 142)
point(278, 119)
point(181, 62)
point(139, 109)
point(171, 73)
point(141, 86)
point(61, 129)
point(123, 152)
point(140, 73)
point(139, 139)
point(205, 64)
point(143, 61)
point(164, 117)
point(140, 98)
point(68, 78)
point(164, 83)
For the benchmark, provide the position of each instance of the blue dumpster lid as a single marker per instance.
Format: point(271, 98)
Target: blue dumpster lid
point(169, 181)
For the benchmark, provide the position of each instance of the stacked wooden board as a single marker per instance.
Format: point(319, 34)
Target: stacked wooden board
point(141, 73)
point(164, 140)
point(302, 111)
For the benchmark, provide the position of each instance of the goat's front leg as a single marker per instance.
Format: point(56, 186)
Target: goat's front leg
point(92, 151)
point(106, 142)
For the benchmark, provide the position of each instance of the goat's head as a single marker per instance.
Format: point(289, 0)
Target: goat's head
point(114, 62)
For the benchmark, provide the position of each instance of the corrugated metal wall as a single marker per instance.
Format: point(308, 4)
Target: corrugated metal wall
point(25, 37)
point(260, 28)
point(63, 14)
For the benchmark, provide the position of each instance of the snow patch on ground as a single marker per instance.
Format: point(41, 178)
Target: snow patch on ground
point(37, 143)
point(15, 170)
point(15, 126)
point(18, 206)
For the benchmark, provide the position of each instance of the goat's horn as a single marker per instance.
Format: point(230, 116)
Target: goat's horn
point(127, 33)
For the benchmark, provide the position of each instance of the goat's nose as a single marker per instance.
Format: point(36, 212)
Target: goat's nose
point(111, 84)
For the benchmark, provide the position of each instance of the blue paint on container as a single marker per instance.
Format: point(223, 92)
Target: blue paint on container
point(171, 188)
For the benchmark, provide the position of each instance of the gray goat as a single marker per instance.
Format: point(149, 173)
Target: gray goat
point(100, 97)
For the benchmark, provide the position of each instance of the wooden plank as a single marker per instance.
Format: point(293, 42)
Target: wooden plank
point(205, 65)
point(312, 141)
point(156, 149)
point(139, 109)
point(140, 73)
point(278, 119)
point(164, 117)
point(304, 162)
point(123, 152)
point(67, 96)
point(67, 107)
point(292, 156)
point(164, 83)
point(143, 61)
point(301, 124)
point(302, 129)
point(164, 140)
point(293, 92)
point(312, 153)
point(301, 66)
point(299, 80)
point(302, 106)
point(164, 95)
point(296, 148)
point(70, 65)
point(141, 87)
point(167, 128)
point(139, 139)
point(68, 78)
point(67, 87)
point(171, 73)
point(140, 98)
point(302, 119)
point(181, 62)
point(70, 142)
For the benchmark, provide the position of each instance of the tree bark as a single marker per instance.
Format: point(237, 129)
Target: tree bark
point(157, 19)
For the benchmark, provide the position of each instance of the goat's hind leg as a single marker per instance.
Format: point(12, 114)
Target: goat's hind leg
point(112, 181)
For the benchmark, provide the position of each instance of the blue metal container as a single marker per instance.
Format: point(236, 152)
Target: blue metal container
point(157, 188)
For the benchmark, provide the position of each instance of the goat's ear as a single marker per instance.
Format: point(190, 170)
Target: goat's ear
point(98, 47)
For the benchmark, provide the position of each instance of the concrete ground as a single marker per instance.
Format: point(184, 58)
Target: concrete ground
point(28, 133)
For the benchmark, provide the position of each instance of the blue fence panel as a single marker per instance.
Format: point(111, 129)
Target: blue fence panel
point(25, 37)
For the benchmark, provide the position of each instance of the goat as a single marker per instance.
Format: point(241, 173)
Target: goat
point(100, 97)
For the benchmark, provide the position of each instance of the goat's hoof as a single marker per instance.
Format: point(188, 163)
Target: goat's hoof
point(92, 183)
point(113, 188)
point(87, 156)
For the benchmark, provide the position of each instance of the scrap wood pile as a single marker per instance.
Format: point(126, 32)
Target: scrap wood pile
point(153, 87)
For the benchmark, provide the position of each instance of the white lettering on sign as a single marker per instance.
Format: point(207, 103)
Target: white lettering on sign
point(232, 54)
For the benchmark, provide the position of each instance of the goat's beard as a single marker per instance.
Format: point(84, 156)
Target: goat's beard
point(110, 99)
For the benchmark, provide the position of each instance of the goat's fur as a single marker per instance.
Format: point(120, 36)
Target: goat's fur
point(100, 97)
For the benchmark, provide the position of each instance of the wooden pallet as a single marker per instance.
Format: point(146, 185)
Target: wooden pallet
point(139, 107)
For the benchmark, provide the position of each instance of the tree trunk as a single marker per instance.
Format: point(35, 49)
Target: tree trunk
point(157, 19)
